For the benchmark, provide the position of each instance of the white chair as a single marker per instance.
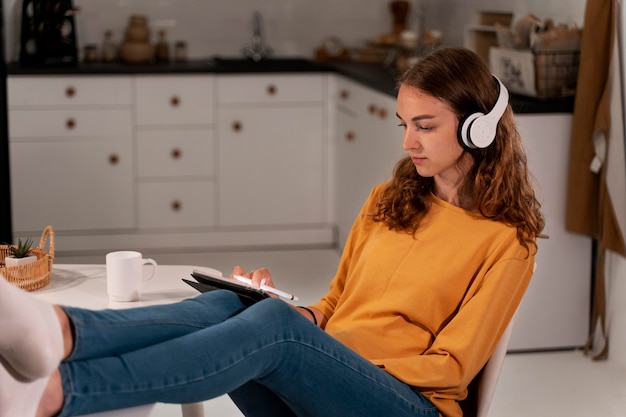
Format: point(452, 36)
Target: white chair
point(483, 387)
point(188, 410)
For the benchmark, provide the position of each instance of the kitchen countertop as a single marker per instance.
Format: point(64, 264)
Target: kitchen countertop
point(372, 75)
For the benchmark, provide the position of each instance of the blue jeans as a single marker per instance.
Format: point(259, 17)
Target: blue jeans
point(269, 358)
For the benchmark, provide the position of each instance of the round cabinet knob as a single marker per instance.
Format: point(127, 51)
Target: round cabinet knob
point(114, 159)
point(70, 123)
point(372, 108)
point(237, 126)
point(70, 92)
point(176, 153)
point(344, 94)
point(176, 205)
point(175, 101)
point(350, 136)
point(271, 89)
point(382, 113)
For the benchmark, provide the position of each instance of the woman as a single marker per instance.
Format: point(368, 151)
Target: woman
point(432, 272)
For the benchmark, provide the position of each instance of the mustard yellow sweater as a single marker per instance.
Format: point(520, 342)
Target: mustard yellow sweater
point(430, 309)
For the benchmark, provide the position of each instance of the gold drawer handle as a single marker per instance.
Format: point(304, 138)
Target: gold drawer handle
point(382, 113)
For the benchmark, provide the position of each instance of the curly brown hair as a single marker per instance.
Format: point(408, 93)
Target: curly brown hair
point(498, 182)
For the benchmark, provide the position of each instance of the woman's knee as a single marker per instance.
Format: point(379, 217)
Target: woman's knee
point(216, 306)
point(273, 315)
point(221, 297)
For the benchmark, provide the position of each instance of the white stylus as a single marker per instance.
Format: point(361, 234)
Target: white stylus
point(268, 289)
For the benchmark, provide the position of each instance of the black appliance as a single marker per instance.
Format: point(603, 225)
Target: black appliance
point(48, 34)
point(6, 231)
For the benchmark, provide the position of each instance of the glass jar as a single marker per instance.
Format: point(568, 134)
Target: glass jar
point(91, 53)
point(180, 51)
point(109, 48)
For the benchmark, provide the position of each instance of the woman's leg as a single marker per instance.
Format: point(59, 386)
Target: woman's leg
point(99, 333)
point(36, 336)
point(269, 344)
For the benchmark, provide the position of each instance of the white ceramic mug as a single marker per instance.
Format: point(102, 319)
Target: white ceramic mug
point(125, 274)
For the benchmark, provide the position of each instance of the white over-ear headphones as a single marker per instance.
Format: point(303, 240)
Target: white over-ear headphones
point(478, 130)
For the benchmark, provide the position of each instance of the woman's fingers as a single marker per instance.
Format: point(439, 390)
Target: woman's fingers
point(260, 277)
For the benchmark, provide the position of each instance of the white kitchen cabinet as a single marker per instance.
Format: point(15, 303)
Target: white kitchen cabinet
point(272, 150)
point(71, 153)
point(175, 151)
point(368, 144)
point(555, 310)
point(133, 161)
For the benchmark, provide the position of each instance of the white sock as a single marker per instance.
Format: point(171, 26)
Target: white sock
point(31, 345)
point(19, 399)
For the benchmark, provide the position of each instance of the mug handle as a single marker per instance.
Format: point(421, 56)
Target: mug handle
point(154, 268)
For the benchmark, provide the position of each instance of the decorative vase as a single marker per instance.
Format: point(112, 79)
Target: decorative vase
point(399, 10)
point(136, 48)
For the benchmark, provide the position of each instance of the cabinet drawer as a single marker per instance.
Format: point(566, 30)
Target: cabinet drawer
point(179, 153)
point(362, 100)
point(237, 89)
point(69, 123)
point(172, 100)
point(176, 204)
point(68, 91)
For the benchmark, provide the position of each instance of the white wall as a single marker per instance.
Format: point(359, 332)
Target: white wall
point(293, 27)
point(616, 308)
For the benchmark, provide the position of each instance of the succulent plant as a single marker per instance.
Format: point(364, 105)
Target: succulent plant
point(22, 249)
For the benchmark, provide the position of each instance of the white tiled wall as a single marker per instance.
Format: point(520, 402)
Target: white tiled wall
point(292, 27)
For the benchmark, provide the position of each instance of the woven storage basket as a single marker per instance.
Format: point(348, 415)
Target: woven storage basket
point(36, 274)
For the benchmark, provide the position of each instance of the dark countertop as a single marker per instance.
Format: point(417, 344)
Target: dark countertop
point(372, 75)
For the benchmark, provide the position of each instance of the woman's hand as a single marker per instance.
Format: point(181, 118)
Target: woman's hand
point(259, 277)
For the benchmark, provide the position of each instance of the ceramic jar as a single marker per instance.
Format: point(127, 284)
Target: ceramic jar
point(136, 47)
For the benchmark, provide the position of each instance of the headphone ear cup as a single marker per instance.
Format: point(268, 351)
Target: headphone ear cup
point(483, 131)
point(464, 131)
point(478, 130)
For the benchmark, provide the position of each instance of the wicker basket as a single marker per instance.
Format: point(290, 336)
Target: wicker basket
point(36, 274)
point(544, 75)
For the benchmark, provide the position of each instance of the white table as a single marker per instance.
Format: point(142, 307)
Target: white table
point(85, 286)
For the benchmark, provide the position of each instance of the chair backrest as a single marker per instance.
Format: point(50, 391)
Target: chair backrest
point(491, 373)
point(483, 387)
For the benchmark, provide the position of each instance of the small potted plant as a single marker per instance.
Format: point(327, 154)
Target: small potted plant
point(20, 254)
